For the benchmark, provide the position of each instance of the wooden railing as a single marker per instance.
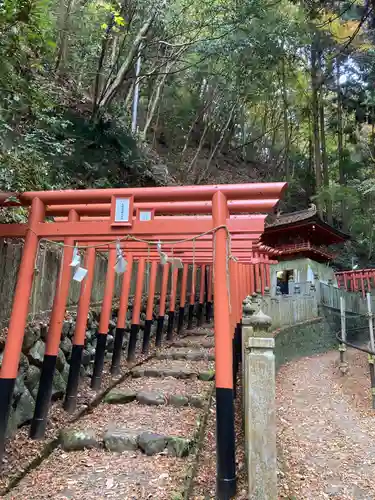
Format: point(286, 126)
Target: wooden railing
point(304, 300)
point(305, 246)
point(330, 297)
point(288, 310)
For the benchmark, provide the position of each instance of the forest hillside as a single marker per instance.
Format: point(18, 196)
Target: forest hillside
point(120, 93)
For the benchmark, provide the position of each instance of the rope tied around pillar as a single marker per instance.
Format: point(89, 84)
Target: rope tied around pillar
point(172, 243)
point(228, 258)
point(148, 269)
point(36, 272)
point(172, 270)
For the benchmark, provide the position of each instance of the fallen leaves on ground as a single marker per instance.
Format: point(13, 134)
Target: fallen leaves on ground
point(20, 451)
point(205, 480)
point(99, 474)
point(326, 429)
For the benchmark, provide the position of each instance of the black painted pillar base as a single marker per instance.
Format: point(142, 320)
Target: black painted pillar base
point(190, 317)
point(134, 329)
point(146, 336)
point(181, 316)
point(239, 343)
point(43, 399)
point(6, 393)
point(101, 343)
point(208, 311)
point(159, 331)
point(70, 402)
point(200, 314)
point(117, 351)
point(234, 365)
point(170, 325)
point(225, 444)
point(237, 354)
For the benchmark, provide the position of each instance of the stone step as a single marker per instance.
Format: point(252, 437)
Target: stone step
point(164, 419)
point(184, 373)
point(120, 396)
point(194, 343)
point(201, 332)
point(119, 440)
point(135, 445)
point(153, 398)
point(191, 355)
point(192, 389)
point(181, 369)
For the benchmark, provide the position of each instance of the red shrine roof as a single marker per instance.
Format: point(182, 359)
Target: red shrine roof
point(304, 233)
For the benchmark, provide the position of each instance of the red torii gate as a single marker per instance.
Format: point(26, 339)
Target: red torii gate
point(241, 248)
point(359, 280)
point(215, 200)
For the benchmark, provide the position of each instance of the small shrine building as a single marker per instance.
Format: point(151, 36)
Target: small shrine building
point(303, 238)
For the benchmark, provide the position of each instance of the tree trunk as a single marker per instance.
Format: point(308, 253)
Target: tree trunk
point(155, 102)
point(110, 92)
point(311, 150)
point(315, 121)
point(99, 76)
point(153, 144)
point(64, 16)
point(136, 92)
point(198, 116)
point(129, 96)
point(158, 91)
point(328, 201)
point(203, 115)
point(226, 143)
point(286, 122)
point(201, 176)
point(114, 51)
point(191, 167)
point(243, 134)
point(340, 145)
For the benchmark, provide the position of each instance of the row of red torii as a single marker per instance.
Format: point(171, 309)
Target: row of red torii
point(359, 280)
point(216, 228)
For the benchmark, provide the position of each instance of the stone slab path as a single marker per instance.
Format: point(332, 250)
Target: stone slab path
point(326, 429)
point(139, 442)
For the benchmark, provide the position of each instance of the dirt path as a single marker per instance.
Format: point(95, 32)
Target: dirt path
point(326, 430)
point(138, 443)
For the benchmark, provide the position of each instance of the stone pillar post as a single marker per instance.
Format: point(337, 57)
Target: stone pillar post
point(255, 301)
point(248, 309)
point(266, 302)
point(317, 287)
point(291, 285)
point(260, 417)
